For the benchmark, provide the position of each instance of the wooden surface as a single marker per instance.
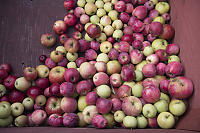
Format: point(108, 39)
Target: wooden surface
point(23, 21)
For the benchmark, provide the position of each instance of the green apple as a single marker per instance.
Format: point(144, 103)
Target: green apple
point(159, 19)
point(140, 65)
point(71, 65)
point(113, 14)
point(103, 91)
point(159, 44)
point(81, 3)
point(161, 106)
point(101, 13)
point(17, 109)
point(102, 37)
point(86, 25)
point(162, 7)
point(108, 6)
point(130, 83)
point(119, 116)
point(138, 75)
point(94, 19)
point(99, 3)
point(166, 120)
point(141, 121)
point(90, 1)
point(149, 111)
point(81, 122)
point(28, 103)
point(105, 20)
point(164, 97)
point(6, 121)
point(148, 51)
point(61, 49)
point(90, 8)
point(117, 24)
point(22, 84)
point(108, 30)
point(130, 122)
point(177, 107)
point(5, 109)
point(71, 56)
point(117, 34)
point(2, 90)
point(102, 57)
point(82, 103)
point(173, 58)
point(137, 90)
point(21, 121)
point(87, 37)
point(110, 119)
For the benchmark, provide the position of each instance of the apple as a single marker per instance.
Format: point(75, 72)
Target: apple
point(81, 3)
point(33, 92)
point(151, 94)
point(128, 30)
point(129, 8)
point(72, 45)
point(70, 120)
point(4, 98)
point(149, 70)
point(5, 109)
point(105, 47)
point(102, 37)
point(39, 117)
point(69, 4)
point(156, 28)
point(42, 58)
point(55, 120)
point(84, 19)
point(6, 67)
point(90, 54)
point(93, 31)
point(124, 91)
point(141, 121)
point(140, 12)
point(124, 17)
point(91, 98)
point(137, 90)
point(108, 6)
point(150, 81)
point(90, 8)
point(67, 89)
point(116, 104)
point(56, 75)
point(174, 69)
point(87, 70)
point(9, 82)
point(148, 50)
point(113, 54)
point(131, 106)
point(22, 84)
point(70, 19)
point(177, 107)
point(104, 91)
point(152, 122)
point(89, 112)
point(172, 49)
point(162, 7)
point(83, 87)
point(138, 26)
point(98, 121)
point(113, 67)
point(161, 106)
point(117, 25)
point(46, 92)
point(28, 103)
point(138, 75)
point(82, 103)
point(42, 83)
point(4, 122)
point(78, 11)
point(59, 27)
point(136, 56)
point(71, 65)
point(53, 106)
point(30, 73)
point(173, 58)
point(68, 104)
point(164, 85)
point(78, 26)
point(110, 120)
point(81, 122)
point(127, 72)
point(17, 109)
point(162, 55)
point(3, 90)
point(168, 32)
point(99, 3)
point(100, 78)
point(137, 44)
point(48, 39)
point(42, 71)
point(103, 105)
point(124, 45)
point(95, 45)
point(130, 122)
point(101, 12)
point(159, 44)
point(115, 80)
point(166, 120)
point(21, 121)
point(149, 110)
point(40, 100)
point(50, 63)
point(16, 96)
point(119, 116)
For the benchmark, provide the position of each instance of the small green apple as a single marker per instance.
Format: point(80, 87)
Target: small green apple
point(81, 122)
point(110, 119)
point(162, 7)
point(159, 19)
point(61, 49)
point(177, 107)
point(138, 75)
point(117, 34)
point(94, 19)
point(101, 13)
point(6, 121)
point(71, 65)
point(173, 58)
point(137, 90)
point(149, 111)
point(21, 121)
point(113, 14)
point(82, 103)
point(108, 6)
point(159, 44)
point(117, 24)
point(165, 97)
point(130, 122)
point(102, 37)
point(161, 106)
point(81, 3)
point(130, 83)
point(108, 30)
point(148, 51)
point(119, 116)
point(103, 91)
point(102, 57)
point(71, 56)
point(141, 121)
point(5, 109)
point(99, 3)
point(166, 120)
point(22, 84)
point(87, 37)
point(105, 20)
point(17, 109)
point(140, 65)
point(28, 103)
point(2, 90)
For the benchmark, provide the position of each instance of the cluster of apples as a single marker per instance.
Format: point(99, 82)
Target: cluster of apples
point(129, 75)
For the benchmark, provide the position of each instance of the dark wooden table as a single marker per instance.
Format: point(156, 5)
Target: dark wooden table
point(23, 21)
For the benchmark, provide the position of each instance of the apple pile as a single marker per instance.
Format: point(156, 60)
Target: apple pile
point(117, 70)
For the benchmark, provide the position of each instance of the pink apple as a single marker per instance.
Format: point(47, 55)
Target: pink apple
point(99, 121)
point(70, 19)
point(161, 53)
point(124, 46)
point(149, 5)
point(9, 82)
point(69, 4)
point(91, 98)
point(124, 17)
point(164, 86)
point(156, 28)
point(46, 92)
point(54, 89)
point(113, 54)
point(53, 106)
point(151, 94)
point(124, 91)
point(38, 117)
point(70, 120)
point(145, 44)
point(116, 104)
point(120, 6)
point(67, 89)
point(137, 44)
point(84, 19)
point(160, 68)
point(78, 12)
point(59, 27)
point(90, 54)
point(138, 36)
point(150, 81)
point(55, 120)
point(174, 69)
point(153, 13)
point(68, 105)
point(50, 63)
point(140, 12)
point(95, 45)
point(80, 60)
point(138, 26)
point(87, 70)
point(152, 59)
point(131, 20)
point(124, 58)
point(128, 30)
point(129, 8)
point(100, 78)
point(136, 56)
point(172, 49)
point(103, 105)
point(100, 66)
point(149, 70)
point(127, 72)
point(115, 80)
point(42, 83)
point(84, 45)
point(166, 16)
point(71, 75)
point(33, 92)
point(83, 87)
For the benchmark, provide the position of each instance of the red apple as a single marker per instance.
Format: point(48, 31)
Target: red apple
point(129, 8)
point(138, 26)
point(33, 92)
point(30, 73)
point(131, 20)
point(140, 12)
point(69, 4)
point(136, 56)
point(124, 58)
point(124, 91)
point(168, 32)
point(141, 1)
point(38, 117)
point(120, 6)
point(55, 120)
point(172, 49)
point(116, 104)
point(115, 80)
point(100, 78)
point(164, 86)
point(98, 121)
point(174, 69)
point(150, 37)
point(63, 38)
point(124, 46)
point(103, 105)
point(50, 63)
point(60, 27)
point(53, 106)
point(149, 70)
point(87, 70)
point(111, 39)
point(138, 36)
point(3, 74)
point(79, 27)
point(54, 89)
point(83, 87)
point(150, 81)
point(70, 19)
point(91, 98)
point(4, 98)
point(47, 93)
point(153, 13)
point(156, 28)
point(145, 44)
point(70, 120)
point(6, 67)
point(152, 122)
point(149, 5)
point(161, 53)
point(128, 30)
point(77, 35)
point(42, 58)
point(56, 75)
point(128, 72)
point(71, 45)
point(80, 60)
point(42, 83)
point(90, 54)
point(137, 44)
point(152, 59)
point(151, 94)
point(67, 89)
point(16, 96)
point(84, 45)
point(113, 54)
point(9, 82)
point(95, 45)
point(127, 38)
point(94, 31)
point(124, 17)
point(160, 68)
point(68, 105)
point(71, 75)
